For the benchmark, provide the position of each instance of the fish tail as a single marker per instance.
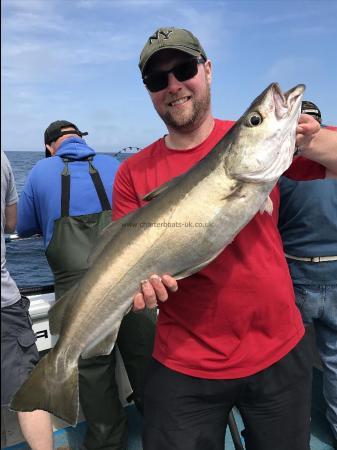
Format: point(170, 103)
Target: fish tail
point(48, 389)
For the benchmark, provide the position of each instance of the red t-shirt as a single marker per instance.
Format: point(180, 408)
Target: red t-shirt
point(238, 315)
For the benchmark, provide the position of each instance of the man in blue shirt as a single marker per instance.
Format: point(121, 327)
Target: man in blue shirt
point(308, 226)
point(67, 199)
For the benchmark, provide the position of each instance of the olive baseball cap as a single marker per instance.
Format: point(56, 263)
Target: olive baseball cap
point(170, 38)
point(53, 132)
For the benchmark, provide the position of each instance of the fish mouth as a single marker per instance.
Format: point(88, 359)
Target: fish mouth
point(287, 104)
point(287, 108)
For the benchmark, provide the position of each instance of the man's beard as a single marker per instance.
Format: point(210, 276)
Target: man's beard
point(191, 121)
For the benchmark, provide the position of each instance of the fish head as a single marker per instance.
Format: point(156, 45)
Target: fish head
point(263, 143)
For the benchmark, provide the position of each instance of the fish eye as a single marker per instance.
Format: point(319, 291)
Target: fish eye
point(254, 119)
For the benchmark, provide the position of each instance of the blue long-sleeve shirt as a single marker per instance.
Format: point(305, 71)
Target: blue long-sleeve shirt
point(40, 199)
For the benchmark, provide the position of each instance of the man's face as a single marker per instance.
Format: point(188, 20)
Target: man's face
point(182, 105)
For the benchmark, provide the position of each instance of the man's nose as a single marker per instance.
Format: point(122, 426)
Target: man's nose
point(173, 84)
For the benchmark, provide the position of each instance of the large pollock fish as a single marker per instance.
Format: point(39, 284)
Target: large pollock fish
point(224, 190)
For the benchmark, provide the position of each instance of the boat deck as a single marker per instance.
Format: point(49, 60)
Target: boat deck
point(67, 437)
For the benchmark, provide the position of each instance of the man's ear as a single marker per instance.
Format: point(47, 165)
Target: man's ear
point(208, 70)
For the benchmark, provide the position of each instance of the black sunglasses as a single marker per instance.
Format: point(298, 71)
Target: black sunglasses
point(156, 81)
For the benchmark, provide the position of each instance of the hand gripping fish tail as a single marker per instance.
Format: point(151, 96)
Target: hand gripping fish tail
point(225, 190)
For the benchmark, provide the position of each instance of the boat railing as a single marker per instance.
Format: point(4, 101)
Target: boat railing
point(41, 300)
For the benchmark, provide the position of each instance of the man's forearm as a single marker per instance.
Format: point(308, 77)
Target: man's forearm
point(323, 149)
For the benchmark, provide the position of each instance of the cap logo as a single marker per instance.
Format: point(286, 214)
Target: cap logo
point(163, 33)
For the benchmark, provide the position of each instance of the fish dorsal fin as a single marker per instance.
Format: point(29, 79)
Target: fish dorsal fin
point(57, 312)
point(192, 270)
point(106, 235)
point(267, 206)
point(162, 188)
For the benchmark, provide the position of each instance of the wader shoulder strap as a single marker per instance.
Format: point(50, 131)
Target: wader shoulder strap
point(65, 187)
point(96, 178)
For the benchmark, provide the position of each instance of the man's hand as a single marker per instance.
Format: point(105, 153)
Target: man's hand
point(307, 129)
point(317, 143)
point(153, 290)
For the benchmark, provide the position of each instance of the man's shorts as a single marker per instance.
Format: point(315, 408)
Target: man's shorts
point(19, 353)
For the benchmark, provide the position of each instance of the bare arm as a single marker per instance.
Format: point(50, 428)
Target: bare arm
point(10, 213)
point(316, 143)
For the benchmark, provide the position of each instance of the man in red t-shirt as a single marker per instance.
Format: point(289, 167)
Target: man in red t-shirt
point(231, 334)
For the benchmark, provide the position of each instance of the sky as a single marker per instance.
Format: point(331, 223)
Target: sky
point(77, 60)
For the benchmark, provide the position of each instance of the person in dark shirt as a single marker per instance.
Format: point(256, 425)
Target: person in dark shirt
point(308, 226)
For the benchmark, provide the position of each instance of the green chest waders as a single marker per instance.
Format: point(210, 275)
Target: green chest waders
point(74, 236)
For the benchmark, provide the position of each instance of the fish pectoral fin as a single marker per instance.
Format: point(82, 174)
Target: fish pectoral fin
point(186, 273)
point(162, 188)
point(57, 312)
point(103, 347)
point(191, 270)
point(107, 234)
point(267, 206)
